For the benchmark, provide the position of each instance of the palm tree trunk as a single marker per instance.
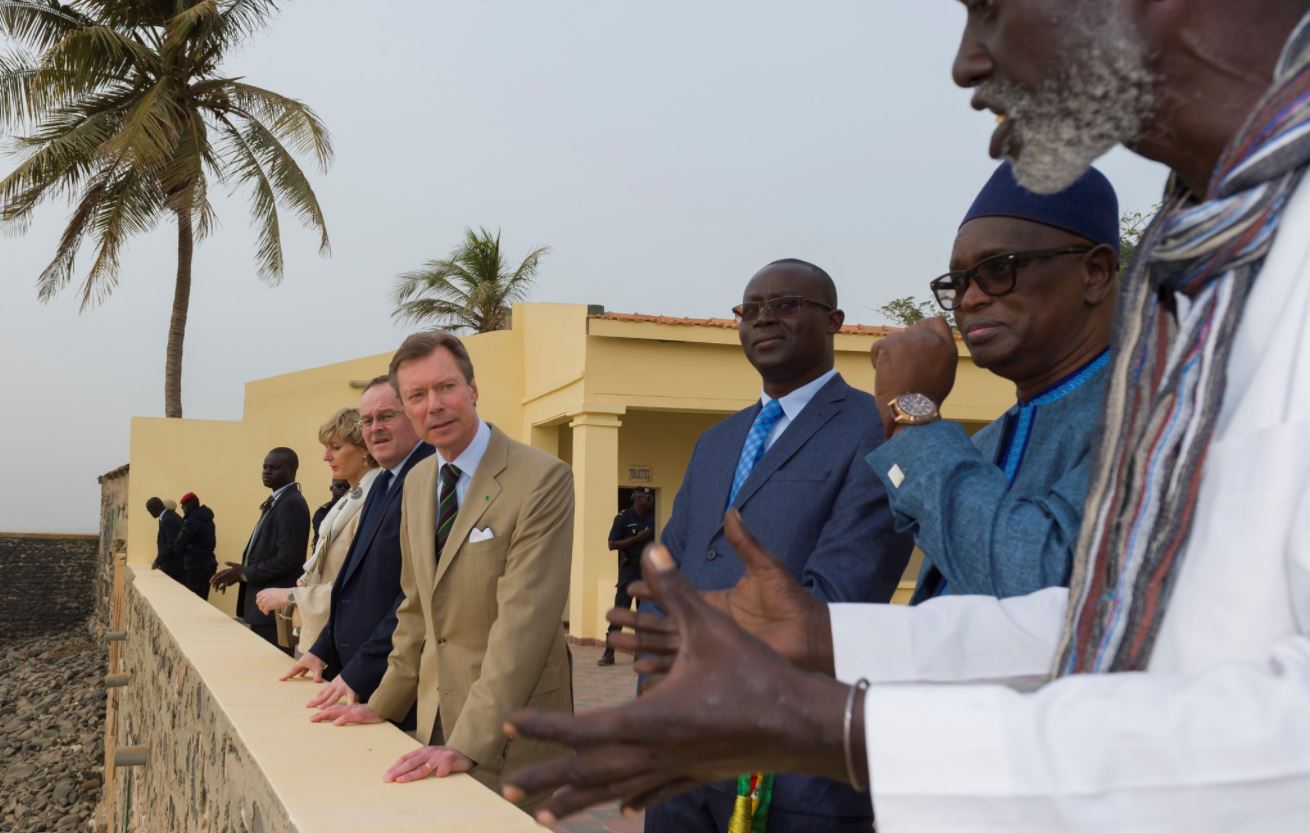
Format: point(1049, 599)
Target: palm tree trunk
point(177, 324)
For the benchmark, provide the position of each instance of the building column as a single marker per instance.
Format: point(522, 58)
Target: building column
point(596, 486)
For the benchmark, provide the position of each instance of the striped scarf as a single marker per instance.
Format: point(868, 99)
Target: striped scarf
point(1169, 375)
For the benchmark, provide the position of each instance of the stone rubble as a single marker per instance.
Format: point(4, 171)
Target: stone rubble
point(52, 714)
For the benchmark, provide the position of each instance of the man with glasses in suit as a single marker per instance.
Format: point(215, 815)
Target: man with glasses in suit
point(793, 465)
point(1032, 286)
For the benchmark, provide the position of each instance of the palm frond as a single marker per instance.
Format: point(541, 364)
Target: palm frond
point(92, 55)
point(191, 23)
point(289, 120)
point(248, 170)
point(60, 162)
point(238, 21)
point(436, 277)
point(450, 315)
point(471, 288)
point(39, 24)
point(60, 270)
point(150, 129)
point(292, 188)
point(184, 182)
point(19, 95)
point(131, 205)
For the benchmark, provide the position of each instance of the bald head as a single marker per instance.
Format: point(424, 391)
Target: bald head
point(820, 282)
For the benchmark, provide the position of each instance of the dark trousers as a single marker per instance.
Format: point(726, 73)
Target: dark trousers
point(705, 810)
point(628, 573)
point(198, 581)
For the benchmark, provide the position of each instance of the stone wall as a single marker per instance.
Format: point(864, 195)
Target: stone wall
point(113, 537)
point(200, 776)
point(221, 745)
point(47, 583)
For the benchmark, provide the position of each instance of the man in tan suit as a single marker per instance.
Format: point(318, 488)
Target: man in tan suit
point(486, 538)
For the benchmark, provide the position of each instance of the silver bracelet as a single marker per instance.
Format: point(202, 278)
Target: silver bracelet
point(860, 685)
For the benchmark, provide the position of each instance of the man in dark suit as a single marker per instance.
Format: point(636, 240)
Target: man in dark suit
point(275, 554)
point(793, 465)
point(352, 648)
point(170, 526)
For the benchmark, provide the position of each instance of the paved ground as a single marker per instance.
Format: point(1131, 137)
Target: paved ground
point(593, 687)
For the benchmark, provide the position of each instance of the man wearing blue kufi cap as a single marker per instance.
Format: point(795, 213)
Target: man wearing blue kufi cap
point(1032, 290)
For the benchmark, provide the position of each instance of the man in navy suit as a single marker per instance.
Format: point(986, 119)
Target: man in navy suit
point(353, 647)
point(793, 465)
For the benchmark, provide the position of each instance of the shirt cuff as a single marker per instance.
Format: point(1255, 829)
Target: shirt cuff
point(871, 641)
point(901, 461)
point(937, 756)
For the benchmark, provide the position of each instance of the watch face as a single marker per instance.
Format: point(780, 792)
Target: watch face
point(916, 405)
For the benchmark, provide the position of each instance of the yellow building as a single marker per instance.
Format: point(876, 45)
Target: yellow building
point(622, 398)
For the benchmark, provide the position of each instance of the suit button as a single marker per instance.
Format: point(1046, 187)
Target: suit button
point(711, 555)
point(441, 641)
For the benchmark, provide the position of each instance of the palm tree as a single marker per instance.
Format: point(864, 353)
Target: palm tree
point(120, 105)
point(472, 289)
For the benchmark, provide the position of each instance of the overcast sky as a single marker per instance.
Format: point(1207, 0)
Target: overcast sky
point(664, 151)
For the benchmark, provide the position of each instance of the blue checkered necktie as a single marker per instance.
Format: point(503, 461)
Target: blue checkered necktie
point(753, 450)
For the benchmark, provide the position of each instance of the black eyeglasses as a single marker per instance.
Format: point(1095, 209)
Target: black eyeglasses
point(995, 275)
point(784, 306)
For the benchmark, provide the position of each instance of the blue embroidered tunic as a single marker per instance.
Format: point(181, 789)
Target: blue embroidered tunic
point(998, 514)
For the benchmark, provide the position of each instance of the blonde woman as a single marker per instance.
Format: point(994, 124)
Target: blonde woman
point(345, 454)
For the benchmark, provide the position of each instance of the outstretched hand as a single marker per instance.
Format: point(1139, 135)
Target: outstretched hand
point(227, 577)
point(767, 602)
point(728, 705)
point(307, 664)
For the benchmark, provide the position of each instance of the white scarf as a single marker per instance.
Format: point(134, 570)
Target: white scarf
point(337, 519)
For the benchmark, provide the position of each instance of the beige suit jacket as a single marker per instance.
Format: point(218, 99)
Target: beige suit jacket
point(478, 634)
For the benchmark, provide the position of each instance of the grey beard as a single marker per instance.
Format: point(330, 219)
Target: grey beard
point(1103, 95)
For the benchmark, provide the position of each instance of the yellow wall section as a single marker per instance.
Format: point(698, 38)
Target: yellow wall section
point(601, 392)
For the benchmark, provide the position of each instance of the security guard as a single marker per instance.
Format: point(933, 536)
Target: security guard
point(633, 529)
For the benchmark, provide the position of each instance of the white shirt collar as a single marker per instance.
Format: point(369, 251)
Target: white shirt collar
point(471, 457)
point(278, 494)
point(399, 467)
point(795, 402)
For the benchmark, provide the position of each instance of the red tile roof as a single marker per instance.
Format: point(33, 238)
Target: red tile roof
point(727, 323)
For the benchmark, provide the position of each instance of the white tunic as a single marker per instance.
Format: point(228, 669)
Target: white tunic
point(963, 734)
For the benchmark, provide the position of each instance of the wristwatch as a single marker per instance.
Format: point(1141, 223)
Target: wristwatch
point(914, 409)
point(291, 597)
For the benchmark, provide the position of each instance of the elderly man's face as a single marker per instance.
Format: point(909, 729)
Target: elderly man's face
point(1069, 78)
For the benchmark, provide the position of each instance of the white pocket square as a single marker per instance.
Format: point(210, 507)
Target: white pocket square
point(481, 535)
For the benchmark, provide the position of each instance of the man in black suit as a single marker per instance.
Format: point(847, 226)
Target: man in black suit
point(170, 526)
point(353, 647)
point(275, 554)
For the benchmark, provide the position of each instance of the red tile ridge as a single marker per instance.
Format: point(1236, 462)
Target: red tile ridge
point(728, 323)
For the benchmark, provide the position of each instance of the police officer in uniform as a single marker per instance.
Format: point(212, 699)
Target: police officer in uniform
point(633, 529)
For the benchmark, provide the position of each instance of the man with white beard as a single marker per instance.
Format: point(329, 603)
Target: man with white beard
point(1169, 687)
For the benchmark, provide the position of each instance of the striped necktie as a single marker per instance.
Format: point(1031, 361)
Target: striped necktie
point(448, 505)
point(753, 450)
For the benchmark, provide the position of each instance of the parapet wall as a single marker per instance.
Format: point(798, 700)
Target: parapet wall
point(228, 748)
point(113, 539)
point(47, 583)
